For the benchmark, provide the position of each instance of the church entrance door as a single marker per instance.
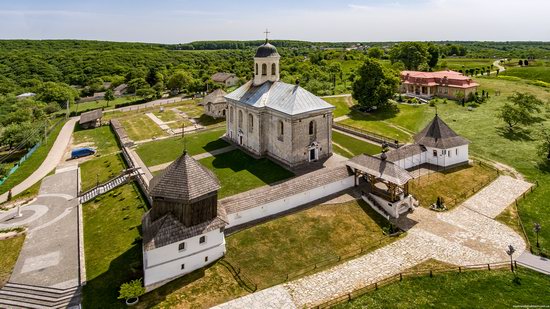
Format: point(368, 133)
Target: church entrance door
point(240, 140)
point(313, 154)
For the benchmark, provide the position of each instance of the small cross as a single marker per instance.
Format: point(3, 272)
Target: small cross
point(266, 34)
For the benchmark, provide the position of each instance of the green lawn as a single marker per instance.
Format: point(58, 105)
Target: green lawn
point(112, 244)
point(342, 105)
point(453, 185)
point(29, 166)
point(167, 115)
point(474, 289)
point(541, 72)
point(348, 146)
point(100, 170)
point(10, 252)
point(140, 127)
point(238, 172)
point(269, 251)
point(190, 108)
point(102, 139)
point(463, 63)
point(180, 124)
point(166, 150)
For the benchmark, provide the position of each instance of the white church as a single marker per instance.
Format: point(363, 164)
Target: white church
point(284, 122)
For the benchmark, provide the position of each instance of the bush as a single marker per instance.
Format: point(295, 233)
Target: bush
point(132, 289)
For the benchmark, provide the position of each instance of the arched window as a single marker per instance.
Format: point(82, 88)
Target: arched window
point(231, 114)
point(240, 119)
point(264, 69)
point(273, 69)
point(312, 127)
point(209, 107)
point(250, 123)
point(281, 128)
point(256, 69)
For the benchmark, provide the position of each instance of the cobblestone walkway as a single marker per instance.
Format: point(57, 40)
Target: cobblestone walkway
point(465, 236)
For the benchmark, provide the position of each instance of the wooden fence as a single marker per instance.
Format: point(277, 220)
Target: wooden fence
point(408, 274)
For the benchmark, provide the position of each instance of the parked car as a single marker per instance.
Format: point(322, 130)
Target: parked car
point(82, 152)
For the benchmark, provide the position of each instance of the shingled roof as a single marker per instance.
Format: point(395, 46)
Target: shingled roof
point(405, 152)
point(380, 168)
point(282, 97)
point(439, 135)
point(221, 77)
point(215, 97)
point(184, 180)
point(168, 229)
point(91, 116)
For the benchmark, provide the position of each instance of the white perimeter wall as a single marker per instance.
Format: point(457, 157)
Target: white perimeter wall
point(445, 157)
point(290, 202)
point(165, 262)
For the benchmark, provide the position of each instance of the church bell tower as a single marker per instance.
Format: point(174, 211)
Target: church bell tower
point(266, 63)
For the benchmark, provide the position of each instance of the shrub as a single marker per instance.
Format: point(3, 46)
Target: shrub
point(132, 289)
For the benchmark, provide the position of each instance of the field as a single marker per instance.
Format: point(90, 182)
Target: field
point(266, 253)
point(172, 148)
point(112, 244)
point(102, 139)
point(100, 170)
point(454, 185)
point(27, 168)
point(342, 105)
point(538, 70)
point(10, 251)
point(85, 106)
point(141, 127)
point(474, 289)
point(239, 172)
point(348, 146)
point(456, 64)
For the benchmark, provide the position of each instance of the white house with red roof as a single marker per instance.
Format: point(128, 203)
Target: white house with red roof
point(447, 84)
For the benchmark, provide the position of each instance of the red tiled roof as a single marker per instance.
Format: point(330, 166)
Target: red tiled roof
point(448, 78)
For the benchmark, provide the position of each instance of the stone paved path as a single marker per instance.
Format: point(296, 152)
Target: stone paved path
point(535, 262)
point(200, 156)
point(158, 121)
point(462, 236)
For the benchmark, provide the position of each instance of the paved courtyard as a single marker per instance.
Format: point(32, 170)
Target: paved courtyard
point(466, 235)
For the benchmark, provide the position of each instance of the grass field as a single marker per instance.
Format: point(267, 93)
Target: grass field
point(102, 139)
point(474, 289)
point(454, 185)
point(100, 170)
point(202, 141)
point(112, 244)
point(140, 127)
point(348, 146)
point(34, 161)
point(269, 251)
point(10, 249)
point(456, 64)
point(238, 172)
point(85, 106)
point(540, 72)
point(342, 105)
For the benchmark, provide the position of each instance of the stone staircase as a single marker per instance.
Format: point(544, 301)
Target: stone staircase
point(108, 186)
point(374, 205)
point(16, 296)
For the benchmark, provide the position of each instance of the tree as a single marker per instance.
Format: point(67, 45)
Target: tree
point(23, 135)
point(179, 81)
point(543, 134)
point(374, 85)
point(132, 289)
point(57, 92)
point(135, 84)
point(412, 54)
point(433, 57)
point(334, 70)
point(521, 109)
point(109, 96)
point(375, 52)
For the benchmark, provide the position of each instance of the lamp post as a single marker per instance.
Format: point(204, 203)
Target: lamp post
point(510, 252)
point(537, 229)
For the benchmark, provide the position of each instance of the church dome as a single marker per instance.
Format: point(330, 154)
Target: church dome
point(266, 50)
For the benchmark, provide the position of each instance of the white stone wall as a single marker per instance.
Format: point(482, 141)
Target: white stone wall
point(165, 262)
point(447, 157)
point(302, 139)
point(289, 202)
point(268, 61)
point(412, 161)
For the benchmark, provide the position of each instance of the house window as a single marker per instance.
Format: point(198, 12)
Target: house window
point(231, 114)
point(182, 266)
point(273, 69)
point(181, 246)
point(250, 123)
point(281, 128)
point(264, 69)
point(311, 127)
point(449, 153)
point(435, 153)
point(209, 107)
point(456, 151)
point(206, 259)
point(240, 119)
point(202, 240)
point(444, 151)
point(256, 69)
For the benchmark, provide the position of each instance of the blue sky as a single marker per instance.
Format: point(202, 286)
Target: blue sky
point(175, 21)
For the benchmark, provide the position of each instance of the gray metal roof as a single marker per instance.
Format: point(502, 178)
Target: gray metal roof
point(380, 168)
point(279, 96)
point(183, 180)
point(215, 97)
point(91, 116)
point(439, 135)
point(266, 50)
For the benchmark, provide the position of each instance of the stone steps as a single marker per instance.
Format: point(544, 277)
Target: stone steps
point(374, 205)
point(106, 187)
point(15, 295)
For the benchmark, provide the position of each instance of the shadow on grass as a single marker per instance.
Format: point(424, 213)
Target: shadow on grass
point(518, 134)
point(544, 166)
point(376, 217)
point(102, 291)
point(214, 145)
point(264, 169)
point(206, 120)
point(381, 114)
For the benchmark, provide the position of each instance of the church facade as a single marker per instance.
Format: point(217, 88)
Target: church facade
point(284, 122)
